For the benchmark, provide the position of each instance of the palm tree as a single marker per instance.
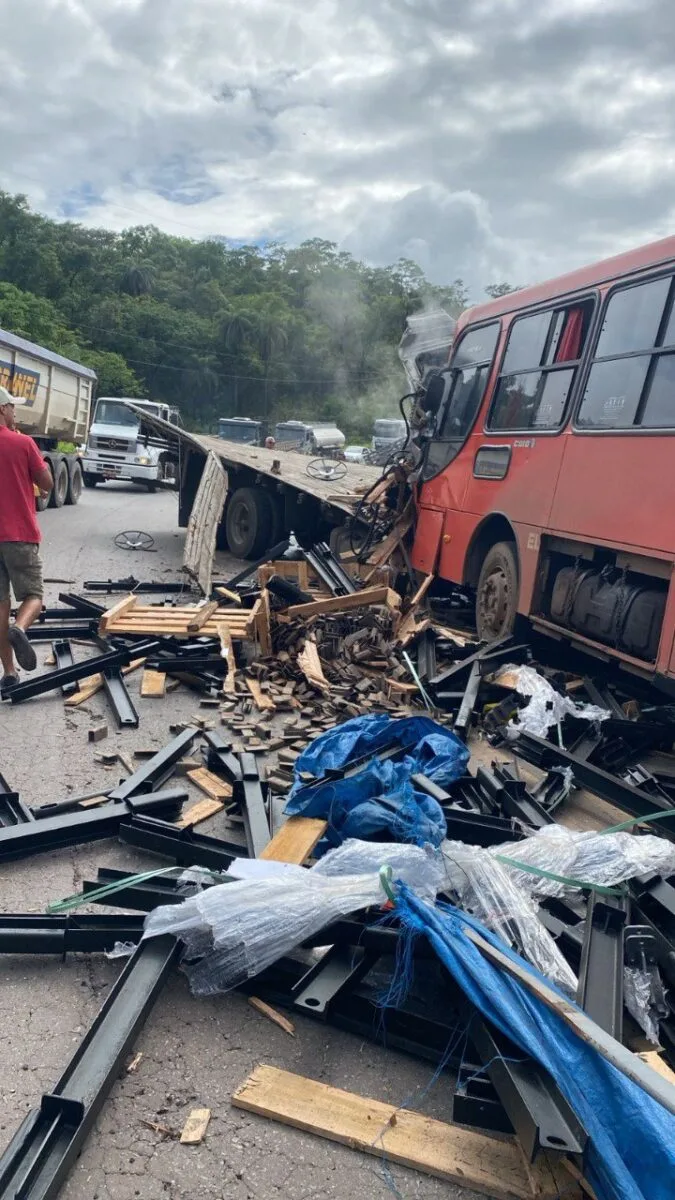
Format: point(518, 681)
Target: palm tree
point(138, 279)
point(235, 327)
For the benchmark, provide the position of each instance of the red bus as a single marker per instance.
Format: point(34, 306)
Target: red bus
point(548, 485)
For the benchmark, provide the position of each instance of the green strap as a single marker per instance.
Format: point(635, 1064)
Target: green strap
point(108, 889)
point(655, 816)
point(386, 879)
point(566, 879)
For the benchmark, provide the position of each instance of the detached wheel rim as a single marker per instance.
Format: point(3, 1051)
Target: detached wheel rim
point(494, 600)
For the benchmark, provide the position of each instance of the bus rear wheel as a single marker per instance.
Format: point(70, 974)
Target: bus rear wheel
point(497, 593)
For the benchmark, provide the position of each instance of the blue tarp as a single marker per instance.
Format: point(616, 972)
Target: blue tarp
point(381, 796)
point(631, 1149)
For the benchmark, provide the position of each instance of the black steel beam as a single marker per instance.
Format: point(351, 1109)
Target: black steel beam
point(63, 655)
point(609, 787)
point(83, 670)
point(119, 699)
point(108, 586)
point(84, 825)
point(249, 792)
point(541, 1117)
point(465, 664)
point(330, 571)
point(600, 990)
point(44, 1148)
point(156, 770)
point(142, 897)
point(341, 967)
point(274, 552)
point(13, 811)
point(462, 722)
point(59, 806)
point(84, 630)
point(182, 846)
point(84, 607)
point(29, 933)
point(221, 758)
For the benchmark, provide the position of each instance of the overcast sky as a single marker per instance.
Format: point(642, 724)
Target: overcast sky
point(493, 139)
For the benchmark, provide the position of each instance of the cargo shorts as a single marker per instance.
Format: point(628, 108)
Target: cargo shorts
point(20, 566)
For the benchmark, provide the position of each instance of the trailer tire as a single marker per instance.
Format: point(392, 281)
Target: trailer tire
point(60, 489)
point(90, 481)
point(74, 484)
point(497, 592)
point(249, 522)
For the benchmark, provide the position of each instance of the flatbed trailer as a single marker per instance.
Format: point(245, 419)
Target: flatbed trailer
point(269, 492)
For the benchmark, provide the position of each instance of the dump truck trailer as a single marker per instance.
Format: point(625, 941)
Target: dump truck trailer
point(53, 400)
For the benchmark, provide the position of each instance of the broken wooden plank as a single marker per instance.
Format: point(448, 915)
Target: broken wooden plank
point(202, 615)
point(410, 626)
point(205, 517)
point(212, 785)
point(227, 652)
point(201, 810)
point(422, 591)
point(263, 627)
point(364, 598)
point(295, 840)
point(195, 1127)
point(153, 683)
point(263, 703)
point(272, 1015)
point(123, 606)
point(400, 1135)
point(310, 665)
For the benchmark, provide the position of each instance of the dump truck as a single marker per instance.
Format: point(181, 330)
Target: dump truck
point(53, 400)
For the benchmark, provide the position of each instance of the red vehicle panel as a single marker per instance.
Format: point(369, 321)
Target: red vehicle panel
point(549, 482)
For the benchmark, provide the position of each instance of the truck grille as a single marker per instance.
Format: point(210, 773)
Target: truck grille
point(110, 443)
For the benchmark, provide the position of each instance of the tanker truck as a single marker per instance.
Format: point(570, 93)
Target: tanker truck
point(53, 399)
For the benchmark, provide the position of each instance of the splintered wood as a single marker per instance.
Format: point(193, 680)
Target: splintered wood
point(207, 510)
point(310, 665)
point(339, 604)
point(460, 1156)
point(180, 622)
point(212, 785)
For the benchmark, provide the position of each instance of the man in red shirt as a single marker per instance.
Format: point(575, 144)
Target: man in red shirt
point(22, 467)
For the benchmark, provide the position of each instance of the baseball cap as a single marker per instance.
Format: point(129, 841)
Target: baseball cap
point(5, 397)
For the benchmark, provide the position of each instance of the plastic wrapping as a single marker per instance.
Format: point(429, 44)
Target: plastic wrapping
point(645, 999)
point(487, 890)
point(602, 859)
point(379, 797)
point(121, 950)
point(238, 929)
point(546, 707)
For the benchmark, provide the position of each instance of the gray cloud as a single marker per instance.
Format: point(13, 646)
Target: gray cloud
point(502, 139)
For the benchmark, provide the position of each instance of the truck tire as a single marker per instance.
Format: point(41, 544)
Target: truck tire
point(248, 522)
point(90, 481)
point(74, 484)
point(497, 592)
point(152, 487)
point(60, 489)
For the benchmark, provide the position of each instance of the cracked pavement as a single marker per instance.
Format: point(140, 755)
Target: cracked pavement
point(196, 1052)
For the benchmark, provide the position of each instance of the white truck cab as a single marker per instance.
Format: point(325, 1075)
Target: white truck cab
point(117, 449)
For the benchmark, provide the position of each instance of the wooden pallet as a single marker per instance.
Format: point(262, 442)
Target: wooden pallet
point(128, 616)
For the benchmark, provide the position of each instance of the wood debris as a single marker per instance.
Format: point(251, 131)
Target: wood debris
point(195, 1127)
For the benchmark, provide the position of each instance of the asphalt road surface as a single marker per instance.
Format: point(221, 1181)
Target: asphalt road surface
point(195, 1052)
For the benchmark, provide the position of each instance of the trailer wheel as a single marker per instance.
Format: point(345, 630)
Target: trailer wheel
point(74, 484)
point(43, 502)
point(497, 592)
point(248, 522)
point(60, 488)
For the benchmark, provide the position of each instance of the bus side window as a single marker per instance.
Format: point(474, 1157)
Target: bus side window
point(632, 378)
point(542, 355)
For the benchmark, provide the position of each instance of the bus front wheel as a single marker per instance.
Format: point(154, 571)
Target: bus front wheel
point(497, 593)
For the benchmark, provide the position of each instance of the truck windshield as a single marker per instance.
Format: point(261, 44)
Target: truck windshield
point(108, 412)
point(389, 429)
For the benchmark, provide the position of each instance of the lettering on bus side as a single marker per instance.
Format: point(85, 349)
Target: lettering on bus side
point(20, 382)
point(524, 443)
point(533, 541)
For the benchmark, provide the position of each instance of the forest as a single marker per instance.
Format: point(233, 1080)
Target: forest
point(272, 331)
